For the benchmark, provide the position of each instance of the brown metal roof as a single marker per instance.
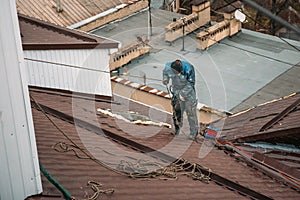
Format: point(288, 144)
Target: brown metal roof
point(73, 10)
point(38, 35)
point(77, 12)
point(268, 134)
point(277, 120)
point(73, 172)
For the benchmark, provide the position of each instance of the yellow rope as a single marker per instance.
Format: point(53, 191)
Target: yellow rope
point(96, 187)
point(180, 166)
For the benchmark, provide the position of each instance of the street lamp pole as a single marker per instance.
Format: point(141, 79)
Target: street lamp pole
point(183, 26)
point(149, 17)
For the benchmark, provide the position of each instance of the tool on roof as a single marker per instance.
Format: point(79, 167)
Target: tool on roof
point(177, 123)
point(211, 132)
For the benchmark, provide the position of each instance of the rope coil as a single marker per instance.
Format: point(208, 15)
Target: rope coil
point(141, 169)
point(96, 187)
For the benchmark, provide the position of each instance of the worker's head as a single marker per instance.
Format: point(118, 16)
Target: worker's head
point(176, 66)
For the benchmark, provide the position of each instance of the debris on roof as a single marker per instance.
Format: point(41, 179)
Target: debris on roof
point(133, 117)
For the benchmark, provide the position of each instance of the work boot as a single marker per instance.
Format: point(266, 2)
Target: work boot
point(193, 136)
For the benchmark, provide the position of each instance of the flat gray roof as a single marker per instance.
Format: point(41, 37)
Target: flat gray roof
point(227, 74)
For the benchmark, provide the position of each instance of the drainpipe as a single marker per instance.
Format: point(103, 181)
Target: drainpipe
point(150, 19)
point(183, 26)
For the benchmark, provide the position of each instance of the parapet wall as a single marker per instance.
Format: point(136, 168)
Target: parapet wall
point(213, 34)
point(158, 99)
point(217, 32)
point(132, 6)
point(185, 25)
point(201, 16)
point(126, 54)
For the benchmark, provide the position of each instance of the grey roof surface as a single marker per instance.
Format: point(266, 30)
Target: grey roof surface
point(227, 73)
point(283, 85)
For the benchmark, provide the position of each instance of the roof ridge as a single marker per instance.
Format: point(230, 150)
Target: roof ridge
point(265, 103)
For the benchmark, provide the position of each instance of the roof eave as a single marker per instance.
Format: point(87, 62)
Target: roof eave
point(32, 46)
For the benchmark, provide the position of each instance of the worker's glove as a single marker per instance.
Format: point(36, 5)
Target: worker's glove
point(181, 97)
point(165, 82)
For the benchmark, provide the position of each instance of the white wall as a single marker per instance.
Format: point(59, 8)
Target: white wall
point(19, 167)
point(88, 71)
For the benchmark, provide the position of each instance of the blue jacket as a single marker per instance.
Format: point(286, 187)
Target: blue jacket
point(184, 84)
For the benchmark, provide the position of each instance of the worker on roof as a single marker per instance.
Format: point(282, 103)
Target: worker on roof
point(183, 92)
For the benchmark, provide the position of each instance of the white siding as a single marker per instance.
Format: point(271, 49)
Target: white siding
point(88, 71)
point(19, 168)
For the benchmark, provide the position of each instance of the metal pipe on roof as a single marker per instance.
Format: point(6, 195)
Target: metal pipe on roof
point(272, 16)
point(183, 25)
point(150, 19)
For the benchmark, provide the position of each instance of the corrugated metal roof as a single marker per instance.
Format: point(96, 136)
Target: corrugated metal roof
point(249, 123)
point(73, 12)
point(40, 35)
point(74, 173)
point(269, 134)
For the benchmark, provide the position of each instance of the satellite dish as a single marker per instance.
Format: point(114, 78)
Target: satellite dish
point(239, 16)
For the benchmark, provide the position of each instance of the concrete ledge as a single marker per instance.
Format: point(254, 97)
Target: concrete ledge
point(116, 13)
point(158, 99)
